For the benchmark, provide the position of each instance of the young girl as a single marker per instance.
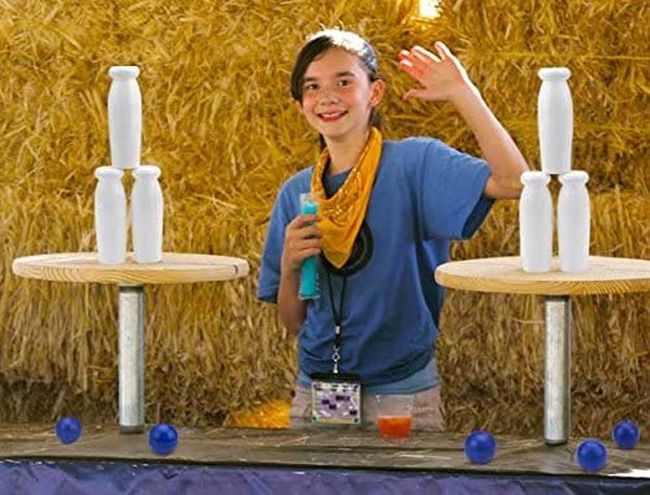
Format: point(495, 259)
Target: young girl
point(387, 211)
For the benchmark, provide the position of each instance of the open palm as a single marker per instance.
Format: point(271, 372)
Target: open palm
point(442, 77)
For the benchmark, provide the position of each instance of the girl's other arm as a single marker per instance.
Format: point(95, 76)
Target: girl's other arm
point(291, 309)
point(444, 78)
point(302, 239)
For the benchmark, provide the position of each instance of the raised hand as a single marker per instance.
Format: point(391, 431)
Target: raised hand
point(442, 77)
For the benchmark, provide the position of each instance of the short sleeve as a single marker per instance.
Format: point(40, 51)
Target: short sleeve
point(285, 209)
point(449, 192)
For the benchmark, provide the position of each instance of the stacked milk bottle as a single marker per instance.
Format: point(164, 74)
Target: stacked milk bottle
point(555, 127)
point(125, 134)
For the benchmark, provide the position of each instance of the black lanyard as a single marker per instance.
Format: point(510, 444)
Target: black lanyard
point(338, 320)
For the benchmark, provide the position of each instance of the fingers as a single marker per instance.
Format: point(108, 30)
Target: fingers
point(299, 249)
point(414, 57)
point(410, 69)
point(308, 252)
point(303, 228)
point(423, 54)
point(418, 55)
point(306, 232)
point(302, 220)
point(415, 61)
point(418, 62)
point(302, 239)
point(301, 246)
point(409, 65)
point(404, 54)
point(310, 245)
point(436, 73)
point(443, 51)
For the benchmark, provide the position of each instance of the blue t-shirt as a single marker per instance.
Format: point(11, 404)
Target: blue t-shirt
point(425, 194)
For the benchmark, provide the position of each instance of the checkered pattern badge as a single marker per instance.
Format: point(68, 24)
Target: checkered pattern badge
point(336, 400)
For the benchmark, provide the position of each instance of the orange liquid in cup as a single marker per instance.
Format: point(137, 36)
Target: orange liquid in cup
point(394, 426)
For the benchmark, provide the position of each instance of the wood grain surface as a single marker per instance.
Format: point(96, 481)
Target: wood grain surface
point(604, 276)
point(175, 268)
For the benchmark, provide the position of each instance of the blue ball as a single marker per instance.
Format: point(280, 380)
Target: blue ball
point(163, 438)
point(68, 429)
point(480, 447)
point(626, 435)
point(592, 456)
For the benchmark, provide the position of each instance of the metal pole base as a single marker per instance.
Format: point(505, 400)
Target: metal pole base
point(131, 359)
point(557, 370)
point(129, 430)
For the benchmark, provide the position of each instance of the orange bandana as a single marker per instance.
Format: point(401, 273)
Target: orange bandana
point(342, 214)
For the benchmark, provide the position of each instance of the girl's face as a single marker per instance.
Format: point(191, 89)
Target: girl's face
point(338, 96)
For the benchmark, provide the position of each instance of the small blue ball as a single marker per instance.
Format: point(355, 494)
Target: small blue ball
point(68, 429)
point(480, 447)
point(163, 438)
point(626, 435)
point(592, 456)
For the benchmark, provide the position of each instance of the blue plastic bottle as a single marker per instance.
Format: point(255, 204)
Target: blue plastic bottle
point(309, 268)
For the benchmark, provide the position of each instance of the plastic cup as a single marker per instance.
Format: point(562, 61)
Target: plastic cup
point(394, 415)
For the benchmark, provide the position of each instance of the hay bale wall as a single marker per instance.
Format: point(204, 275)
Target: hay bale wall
point(219, 121)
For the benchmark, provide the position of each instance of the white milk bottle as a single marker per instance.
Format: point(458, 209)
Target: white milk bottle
point(535, 222)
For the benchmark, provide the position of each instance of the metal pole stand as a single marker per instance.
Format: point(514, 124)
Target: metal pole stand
point(131, 359)
point(557, 370)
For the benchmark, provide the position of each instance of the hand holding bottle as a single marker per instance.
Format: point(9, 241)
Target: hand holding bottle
point(302, 239)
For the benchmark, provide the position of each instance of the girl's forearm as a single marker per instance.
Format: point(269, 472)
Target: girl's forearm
point(499, 150)
point(291, 309)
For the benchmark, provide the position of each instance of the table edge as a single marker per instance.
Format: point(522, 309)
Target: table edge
point(110, 274)
point(559, 288)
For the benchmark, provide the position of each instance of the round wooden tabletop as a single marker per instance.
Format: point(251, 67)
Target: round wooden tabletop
point(604, 276)
point(175, 268)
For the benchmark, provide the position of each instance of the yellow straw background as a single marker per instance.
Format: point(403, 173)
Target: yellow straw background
point(219, 121)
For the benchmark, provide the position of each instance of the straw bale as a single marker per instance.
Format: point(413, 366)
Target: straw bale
point(219, 120)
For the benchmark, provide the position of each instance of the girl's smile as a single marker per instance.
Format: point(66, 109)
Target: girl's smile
point(331, 116)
